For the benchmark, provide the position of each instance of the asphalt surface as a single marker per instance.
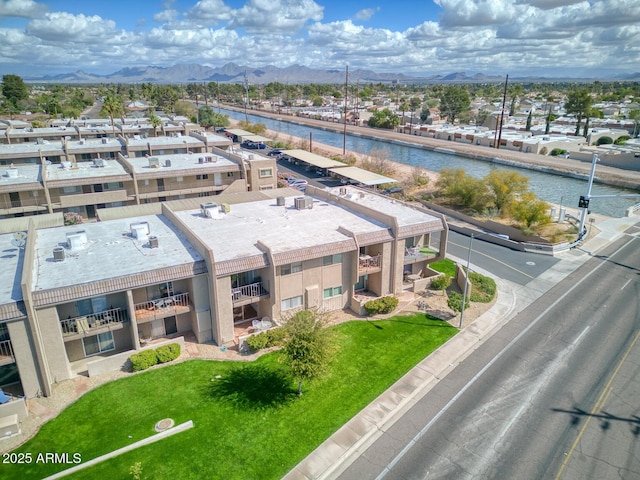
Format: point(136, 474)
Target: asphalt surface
point(514, 408)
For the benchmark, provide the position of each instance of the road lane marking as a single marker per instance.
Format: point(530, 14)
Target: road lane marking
point(494, 259)
point(482, 371)
point(602, 399)
point(627, 283)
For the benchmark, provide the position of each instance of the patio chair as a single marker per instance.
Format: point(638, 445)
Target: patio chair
point(4, 398)
point(257, 325)
point(266, 323)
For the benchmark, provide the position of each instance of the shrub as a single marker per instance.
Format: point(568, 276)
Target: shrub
point(258, 341)
point(622, 140)
point(381, 305)
point(166, 353)
point(276, 337)
point(143, 360)
point(441, 282)
point(557, 151)
point(484, 288)
point(604, 141)
point(455, 301)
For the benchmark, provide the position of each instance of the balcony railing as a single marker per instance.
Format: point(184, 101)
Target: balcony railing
point(367, 263)
point(247, 292)
point(416, 254)
point(162, 307)
point(6, 352)
point(88, 324)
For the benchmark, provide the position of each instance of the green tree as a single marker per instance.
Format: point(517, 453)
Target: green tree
point(579, 103)
point(155, 122)
point(112, 107)
point(384, 118)
point(207, 117)
point(453, 101)
point(14, 89)
point(531, 210)
point(308, 348)
point(504, 186)
point(515, 92)
point(462, 189)
point(256, 128)
point(184, 108)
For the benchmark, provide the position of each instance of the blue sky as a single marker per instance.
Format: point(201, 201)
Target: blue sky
point(552, 38)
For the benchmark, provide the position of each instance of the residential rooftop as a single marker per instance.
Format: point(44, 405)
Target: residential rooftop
point(110, 252)
point(20, 174)
point(11, 258)
point(181, 162)
point(69, 171)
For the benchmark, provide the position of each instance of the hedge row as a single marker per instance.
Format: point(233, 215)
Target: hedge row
point(151, 357)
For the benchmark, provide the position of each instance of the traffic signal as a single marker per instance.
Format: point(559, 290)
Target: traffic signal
point(583, 202)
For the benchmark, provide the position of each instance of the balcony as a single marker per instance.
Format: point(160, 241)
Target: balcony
point(78, 327)
point(248, 293)
point(419, 254)
point(162, 308)
point(6, 353)
point(369, 264)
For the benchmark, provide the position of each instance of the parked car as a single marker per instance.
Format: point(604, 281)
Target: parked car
point(393, 190)
point(253, 145)
point(294, 182)
point(275, 152)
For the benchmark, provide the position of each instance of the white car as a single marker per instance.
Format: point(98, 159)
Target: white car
point(297, 182)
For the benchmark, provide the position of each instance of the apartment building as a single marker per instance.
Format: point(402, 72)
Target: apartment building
point(84, 175)
point(83, 298)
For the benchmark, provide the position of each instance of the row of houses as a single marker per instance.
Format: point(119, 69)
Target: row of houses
point(83, 298)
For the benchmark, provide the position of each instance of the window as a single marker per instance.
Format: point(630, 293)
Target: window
point(91, 305)
point(332, 259)
point(332, 292)
point(70, 190)
point(266, 187)
point(102, 342)
point(265, 172)
point(229, 174)
point(291, 268)
point(113, 186)
point(202, 177)
point(289, 303)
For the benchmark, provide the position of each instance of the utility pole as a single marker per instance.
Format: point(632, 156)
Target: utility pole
point(504, 101)
point(466, 282)
point(346, 95)
point(246, 101)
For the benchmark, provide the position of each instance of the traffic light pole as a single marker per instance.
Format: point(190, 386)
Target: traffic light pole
point(584, 201)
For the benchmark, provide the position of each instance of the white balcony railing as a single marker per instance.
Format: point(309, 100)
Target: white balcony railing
point(6, 350)
point(253, 290)
point(368, 262)
point(162, 307)
point(86, 324)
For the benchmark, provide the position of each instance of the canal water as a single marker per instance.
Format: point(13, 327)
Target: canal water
point(551, 188)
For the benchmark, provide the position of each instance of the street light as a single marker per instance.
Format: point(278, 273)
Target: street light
point(466, 282)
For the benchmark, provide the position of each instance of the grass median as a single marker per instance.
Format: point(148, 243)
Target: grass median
point(248, 420)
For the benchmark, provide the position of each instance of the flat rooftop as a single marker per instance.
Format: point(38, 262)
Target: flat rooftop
point(406, 215)
point(57, 172)
point(110, 252)
point(23, 149)
point(101, 144)
point(182, 162)
point(281, 228)
point(26, 174)
point(173, 142)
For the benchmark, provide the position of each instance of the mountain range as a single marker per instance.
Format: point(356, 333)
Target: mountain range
point(294, 74)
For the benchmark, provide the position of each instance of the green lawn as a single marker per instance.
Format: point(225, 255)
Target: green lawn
point(248, 423)
point(444, 266)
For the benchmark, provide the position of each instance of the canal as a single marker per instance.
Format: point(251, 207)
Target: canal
point(552, 188)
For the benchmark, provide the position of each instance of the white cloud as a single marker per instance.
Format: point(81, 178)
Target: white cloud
point(276, 16)
point(209, 12)
point(21, 8)
point(366, 14)
point(62, 26)
point(168, 15)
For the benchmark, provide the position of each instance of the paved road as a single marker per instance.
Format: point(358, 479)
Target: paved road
point(553, 394)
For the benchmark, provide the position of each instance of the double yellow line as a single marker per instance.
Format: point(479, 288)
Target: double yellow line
point(602, 399)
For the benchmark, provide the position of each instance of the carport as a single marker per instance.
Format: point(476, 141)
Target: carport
point(238, 136)
point(358, 175)
point(312, 161)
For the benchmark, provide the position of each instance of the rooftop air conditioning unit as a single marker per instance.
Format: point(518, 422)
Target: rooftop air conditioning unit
point(225, 207)
point(280, 201)
point(82, 141)
point(12, 172)
point(105, 140)
point(139, 230)
point(343, 191)
point(303, 203)
point(154, 162)
point(58, 254)
point(39, 140)
point(167, 163)
point(153, 241)
point(77, 239)
point(136, 137)
point(210, 210)
point(200, 159)
point(98, 162)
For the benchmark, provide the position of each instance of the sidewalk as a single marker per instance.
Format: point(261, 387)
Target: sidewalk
point(334, 455)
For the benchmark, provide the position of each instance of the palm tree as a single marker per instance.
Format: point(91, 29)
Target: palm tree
point(155, 122)
point(113, 107)
point(579, 102)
